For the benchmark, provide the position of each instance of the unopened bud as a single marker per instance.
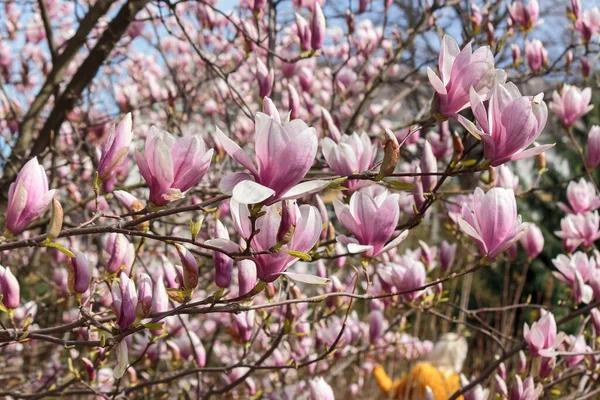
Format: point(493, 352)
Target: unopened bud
point(56, 220)
point(391, 154)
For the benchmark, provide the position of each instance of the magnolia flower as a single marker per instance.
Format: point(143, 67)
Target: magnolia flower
point(578, 229)
point(525, 15)
point(588, 23)
point(265, 78)
point(509, 125)
point(144, 296)
point(115, 148)
point(284, 154)
point(296, 229)
point(320, 390)
point(476, 393)
point(11, 291)
point(541, 337)
point(372, 221)
point(525, 390)
point(461, 70)
point(28, 197)
point(536, 54)
point(447, 255)
point(243, 323)
point(120, 252)
point(576, 345)
point(492, 221)
point(125, 300)
point(582, 198)
point(576, 271)
point(172, 166)
point(571, 105)
point(533, 241)
point(353, 154)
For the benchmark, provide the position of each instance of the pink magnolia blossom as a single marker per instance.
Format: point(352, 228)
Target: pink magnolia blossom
point(28, 197)
point(125, 300)
point(525, 15)
point(353, 154)
point(509, 125)
point(172, 166)
point(80, 273)
point(536, 53)
point(579, 229)
point(571, 105)
point(284, 154)
point(525, 390)
point(588, 23)
point(447, 255)
point(115, 148)
point(582, 198)
point(576, 271)
point(305, 231)
point(575, 345)
point(372, 221)
point(541, 337)
point(11, 291)
point(320, 390)
point(491, 219)
point(533, 241)
point(461, 70)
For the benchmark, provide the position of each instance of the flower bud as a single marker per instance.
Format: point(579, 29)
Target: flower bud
point(293, 102)
point(243, 323)
point(304, 33)
point(532, 241)
point(516, 54)
point(596, 320)
point(447, 254)
point(259, 5)
point(246, 276)
point(593, 147)
point(125, 300)
point(391, 154)
point(190, 267)
point(288, 221)
point(317, 28)
point(89, 368)
point(121, 252)
point(11, 291)
point(144, 296)
point(270, 109)
point(80, 273)
point(522, 366)
point(265, 78)
point(223, 263)
point(586, 67)
point(56, 220)
point(428, 165)
point(375, 326)
point(115, 148)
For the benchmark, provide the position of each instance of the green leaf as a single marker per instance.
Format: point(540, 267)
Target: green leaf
point(155, 326)
point(298, 254)
point(59, 247)
point(401, 185)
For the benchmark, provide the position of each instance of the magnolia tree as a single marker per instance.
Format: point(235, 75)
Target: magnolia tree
point(306, 199)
